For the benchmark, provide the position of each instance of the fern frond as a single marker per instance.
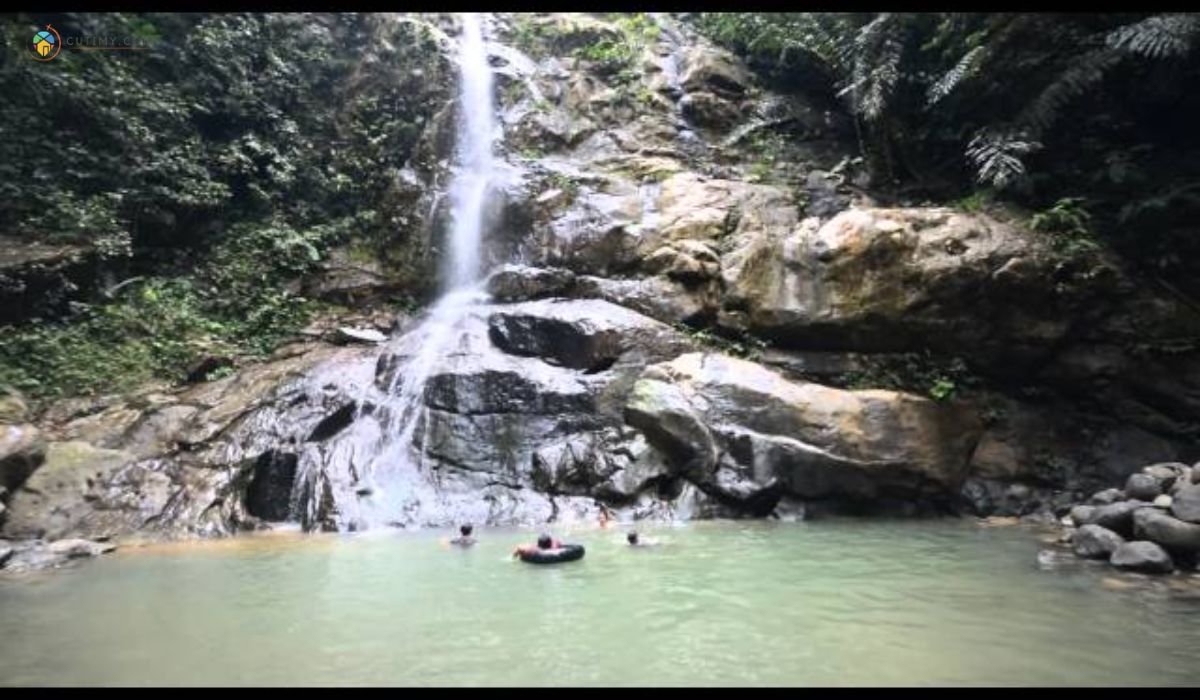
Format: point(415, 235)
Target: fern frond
point(878, 49)
point(967, 65)
point(997, 156)
point(1084, 72)
point(1157, 37)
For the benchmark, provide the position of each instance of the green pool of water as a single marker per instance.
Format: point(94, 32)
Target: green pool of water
point(820, 603)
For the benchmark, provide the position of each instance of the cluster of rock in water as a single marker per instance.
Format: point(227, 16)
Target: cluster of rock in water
point(1150, 526)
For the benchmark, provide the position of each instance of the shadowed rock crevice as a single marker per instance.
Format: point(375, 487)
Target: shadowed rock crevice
point(269, 494)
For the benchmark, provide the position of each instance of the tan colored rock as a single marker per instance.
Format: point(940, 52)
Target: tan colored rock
point(53, 501)
point(815, 441)
point(710, 68)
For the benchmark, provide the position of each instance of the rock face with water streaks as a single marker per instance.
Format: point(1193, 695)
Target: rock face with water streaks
point(747, 435)
point(624, 209)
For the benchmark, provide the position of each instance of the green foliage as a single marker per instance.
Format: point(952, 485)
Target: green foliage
point(617, 56)
point(566, 183)
point(747, 347)
point(531, 36)
point(1038, 107)
point(942, 389)
point(940, 378)
point(218, 166)
point(975, 202)
point(1069, 223)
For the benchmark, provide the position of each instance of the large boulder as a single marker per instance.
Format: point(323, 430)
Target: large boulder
point(1171, 533)
point(736, 425)
point(52, 500)
point(1144, 557)
point(1117, 517)
point(1185, 504)
point(894, 279)
point(588, 335)
point(1166, 473)
point(1106, 497)
point(1143, 487)
point(713, 69)
point(522, 283)
point(1095, 542)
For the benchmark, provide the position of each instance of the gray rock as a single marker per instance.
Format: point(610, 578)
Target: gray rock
point(1107, 496)
point(1095, 542)
point(78, 548)
point(709, 110)
point(709, 68)
point(1185, 504)
point(1083, 515)
point(818, 442)
point(521, 283)
point(1166, 473)
point(32, 555)
point(1143, 487)
point(359, 335)
point(1173, 534)
point(53, 500)
point(1118, 517)
point(587, 334)
point(1145, 557)
point(6, 552)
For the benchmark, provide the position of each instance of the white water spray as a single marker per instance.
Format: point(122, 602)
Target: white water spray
point(435, 339)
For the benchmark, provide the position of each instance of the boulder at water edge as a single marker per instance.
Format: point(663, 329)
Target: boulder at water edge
point(1095, 542)
point(742, 429)
point(1145, 557)
point(1185, 504)
point(1175, 535)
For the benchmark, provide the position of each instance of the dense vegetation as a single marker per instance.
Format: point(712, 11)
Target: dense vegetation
point(202, 176)
point(1086, 117)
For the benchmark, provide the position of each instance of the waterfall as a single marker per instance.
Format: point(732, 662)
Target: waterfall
point(393, 466)
point(476, 166)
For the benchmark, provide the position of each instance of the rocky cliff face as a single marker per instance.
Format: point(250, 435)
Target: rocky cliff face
point(643, 205)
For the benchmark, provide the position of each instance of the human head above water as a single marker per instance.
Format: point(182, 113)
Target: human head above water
point(545, 542)
point(632, 537)
point(466, 530)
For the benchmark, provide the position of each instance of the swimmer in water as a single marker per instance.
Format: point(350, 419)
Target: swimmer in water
point(464, 539)
point(635, 541)
point(544, 542)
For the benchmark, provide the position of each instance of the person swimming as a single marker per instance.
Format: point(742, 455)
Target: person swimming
point(464, 539)
point(635, 541)
point(544, 542)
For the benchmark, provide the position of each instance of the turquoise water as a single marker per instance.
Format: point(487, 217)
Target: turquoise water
point(757, 603)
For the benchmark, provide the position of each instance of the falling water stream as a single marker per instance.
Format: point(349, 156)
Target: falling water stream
point(393, 463)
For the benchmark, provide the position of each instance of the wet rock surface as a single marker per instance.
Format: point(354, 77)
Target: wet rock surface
point(570, 387)
point(1145, 557)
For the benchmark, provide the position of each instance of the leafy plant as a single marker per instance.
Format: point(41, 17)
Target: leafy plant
point(1069, 223)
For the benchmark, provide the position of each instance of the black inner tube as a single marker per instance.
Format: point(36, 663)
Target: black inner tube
point(567, 552)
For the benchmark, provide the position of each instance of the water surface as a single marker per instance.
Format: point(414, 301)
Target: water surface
point(756, 603)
